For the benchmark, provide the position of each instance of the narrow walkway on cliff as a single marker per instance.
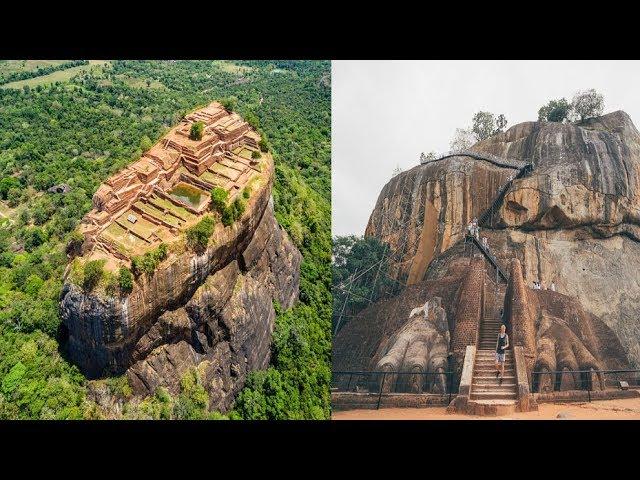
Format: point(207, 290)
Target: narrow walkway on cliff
point(489, 256)
point(488, 214)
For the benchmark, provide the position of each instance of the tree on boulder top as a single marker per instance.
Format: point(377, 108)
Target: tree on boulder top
point(555, 111)
point(588, 104)
point(197, 129)
point(486, 124)
point(462, 140)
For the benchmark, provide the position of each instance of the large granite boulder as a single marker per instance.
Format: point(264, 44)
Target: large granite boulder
point(212, 311)
point(572, 220)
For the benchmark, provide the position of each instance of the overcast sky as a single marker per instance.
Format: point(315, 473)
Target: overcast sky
point(384, 113)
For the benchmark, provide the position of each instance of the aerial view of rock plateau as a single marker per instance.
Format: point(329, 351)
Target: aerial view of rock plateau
point(165, 240)
point(488, 265)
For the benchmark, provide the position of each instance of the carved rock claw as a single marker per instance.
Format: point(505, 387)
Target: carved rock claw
point(419, 350)
point(560, 350)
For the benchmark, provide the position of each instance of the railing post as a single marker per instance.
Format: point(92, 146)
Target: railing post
point(349, 384)
point(384, 376)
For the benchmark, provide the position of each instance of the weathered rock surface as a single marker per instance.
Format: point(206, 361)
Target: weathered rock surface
point(211, 311)
point(225, 328)
point(574, 220)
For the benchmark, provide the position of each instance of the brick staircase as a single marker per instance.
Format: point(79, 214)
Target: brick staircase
point(485, 387)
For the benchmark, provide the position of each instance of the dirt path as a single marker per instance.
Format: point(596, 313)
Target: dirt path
point(623, 409)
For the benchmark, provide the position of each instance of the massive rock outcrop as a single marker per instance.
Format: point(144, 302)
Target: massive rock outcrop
point(572, 219)
point(208, 308)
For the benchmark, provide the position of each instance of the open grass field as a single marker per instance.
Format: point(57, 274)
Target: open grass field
point(136, 82)
point(59, 76)
point(7, 67)
point(230, 67)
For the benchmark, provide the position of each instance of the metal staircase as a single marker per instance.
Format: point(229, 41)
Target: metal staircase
point(491, 258)
point(488, 214)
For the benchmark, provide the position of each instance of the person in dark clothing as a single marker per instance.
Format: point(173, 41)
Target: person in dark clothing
point(501, 346)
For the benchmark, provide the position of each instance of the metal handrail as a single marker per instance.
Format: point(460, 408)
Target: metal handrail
point(588, 383)
point(502, 162)
point(384, 374)
point(490, 257)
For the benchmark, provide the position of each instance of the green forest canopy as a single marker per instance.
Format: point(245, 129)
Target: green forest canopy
point(81, 131)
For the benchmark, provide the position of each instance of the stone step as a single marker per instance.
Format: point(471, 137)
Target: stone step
point(495, 402)
point(493, 380)
point(492, 366)
point(488, 362)
point(494, 395)
point(500, 389)
point(486, 371)
point(492, 359)
point(492, 356)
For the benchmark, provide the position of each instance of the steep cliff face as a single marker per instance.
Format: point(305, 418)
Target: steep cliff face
point(225, 328)
point(572, 220)
point(209, 308)
point(424, 211)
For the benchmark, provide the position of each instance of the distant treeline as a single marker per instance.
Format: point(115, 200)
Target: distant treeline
point(40, 71)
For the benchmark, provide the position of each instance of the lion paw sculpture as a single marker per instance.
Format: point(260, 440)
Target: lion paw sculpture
point(420, 346)
point(558, 349)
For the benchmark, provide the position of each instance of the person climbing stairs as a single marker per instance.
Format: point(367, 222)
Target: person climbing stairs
point(485, 385)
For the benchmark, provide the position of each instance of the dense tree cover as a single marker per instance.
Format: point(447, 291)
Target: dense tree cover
point(93, 272)
point(125, 279)
point(555, 111)
point(39, 71)
point(148, 262)
point(80, 132)
point(360, 266)
point(219, 198)
point(198, 235)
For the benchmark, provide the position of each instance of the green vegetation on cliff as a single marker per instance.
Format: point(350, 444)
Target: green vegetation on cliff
point(81, 131)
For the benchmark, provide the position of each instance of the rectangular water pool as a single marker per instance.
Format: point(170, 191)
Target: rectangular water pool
point(189, 194)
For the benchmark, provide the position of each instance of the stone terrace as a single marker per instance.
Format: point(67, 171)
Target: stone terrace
point(167, 189)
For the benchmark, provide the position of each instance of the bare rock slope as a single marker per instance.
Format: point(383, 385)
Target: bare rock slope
point(573, 219)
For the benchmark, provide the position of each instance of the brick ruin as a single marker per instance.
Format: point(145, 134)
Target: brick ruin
point(167, 190)
point(559, 337)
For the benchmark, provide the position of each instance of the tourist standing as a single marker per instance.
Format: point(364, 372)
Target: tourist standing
point(501, 346)
point(476, 228)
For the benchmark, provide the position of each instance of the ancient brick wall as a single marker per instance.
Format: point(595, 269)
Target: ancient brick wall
point(520, 313)
point(468, 313)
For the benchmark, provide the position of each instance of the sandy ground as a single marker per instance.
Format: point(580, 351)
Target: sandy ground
point(622, 409)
